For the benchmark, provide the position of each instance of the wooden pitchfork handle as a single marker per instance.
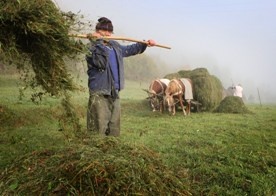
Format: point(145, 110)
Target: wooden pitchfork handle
point(118, 38)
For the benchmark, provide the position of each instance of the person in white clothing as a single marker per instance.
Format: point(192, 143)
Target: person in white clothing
point(238, 91)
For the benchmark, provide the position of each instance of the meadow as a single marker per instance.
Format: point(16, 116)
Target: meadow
point(218, 153)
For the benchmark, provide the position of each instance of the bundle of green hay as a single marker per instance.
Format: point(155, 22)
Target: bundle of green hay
point(105, 166)
point(232, 104)
point(207, 88)
point(34, 33)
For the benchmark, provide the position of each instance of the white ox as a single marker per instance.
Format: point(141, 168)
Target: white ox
point(156, 93)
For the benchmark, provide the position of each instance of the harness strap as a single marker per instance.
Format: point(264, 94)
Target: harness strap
point(161, 84)
point(181, 84)
point(179, 87)
point(151, 91)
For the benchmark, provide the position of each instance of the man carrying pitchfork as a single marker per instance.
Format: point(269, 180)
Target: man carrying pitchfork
point(106, 78)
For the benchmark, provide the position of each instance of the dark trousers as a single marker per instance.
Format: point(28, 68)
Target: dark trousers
point(103, 115)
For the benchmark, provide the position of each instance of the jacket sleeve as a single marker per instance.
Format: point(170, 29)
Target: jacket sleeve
point(132, 49)
point(97, 57)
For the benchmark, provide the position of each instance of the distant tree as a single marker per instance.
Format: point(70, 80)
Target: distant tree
point(141, 67)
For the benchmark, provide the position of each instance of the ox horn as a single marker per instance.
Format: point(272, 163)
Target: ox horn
point(151, 93)
point(146, 90)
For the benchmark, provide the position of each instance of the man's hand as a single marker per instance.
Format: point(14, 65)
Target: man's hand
point(151, 42)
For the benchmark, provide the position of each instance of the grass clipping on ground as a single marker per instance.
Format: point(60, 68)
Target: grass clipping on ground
point(35, 32)
point(232, 104)
point(207, 89)
point(104, 166)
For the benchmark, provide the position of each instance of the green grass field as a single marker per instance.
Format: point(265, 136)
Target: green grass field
point(220, 154)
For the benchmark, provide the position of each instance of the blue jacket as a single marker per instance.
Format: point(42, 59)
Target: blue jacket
point(100, 79)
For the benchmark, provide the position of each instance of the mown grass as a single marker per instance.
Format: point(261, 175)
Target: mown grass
point(221, 154)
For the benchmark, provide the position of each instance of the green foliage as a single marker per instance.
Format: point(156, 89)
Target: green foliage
point(35, 32)
point(104, 166)
point(210, 153)
point(232, 104)
point(7, 116)
point(69, 117)
point(221, 153)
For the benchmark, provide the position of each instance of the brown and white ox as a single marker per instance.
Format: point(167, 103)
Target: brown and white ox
point(179, 91)
point(156, 93)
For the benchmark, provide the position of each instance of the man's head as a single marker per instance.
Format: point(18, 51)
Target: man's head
point(104, 25)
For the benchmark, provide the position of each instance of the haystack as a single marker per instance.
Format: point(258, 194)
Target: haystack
point(232, 104)
point(34, 36)
point(105, 166)
point(207, 88)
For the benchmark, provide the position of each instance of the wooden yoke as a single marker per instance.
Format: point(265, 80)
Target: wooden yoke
point(86, 36)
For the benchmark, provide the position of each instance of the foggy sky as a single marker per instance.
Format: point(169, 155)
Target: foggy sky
point(234, 39)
